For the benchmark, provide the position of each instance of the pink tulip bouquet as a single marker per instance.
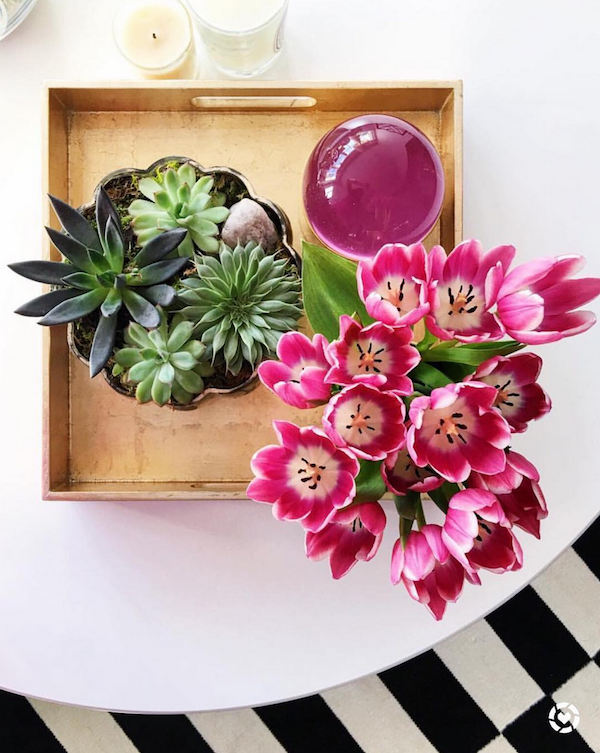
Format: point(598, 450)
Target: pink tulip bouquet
point(415, 362)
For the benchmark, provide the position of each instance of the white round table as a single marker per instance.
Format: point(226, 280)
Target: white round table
point(179, 606)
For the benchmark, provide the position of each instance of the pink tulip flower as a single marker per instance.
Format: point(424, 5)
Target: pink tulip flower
point(428, 572)
point(298, 378)
point(307, 478)
point(519, 397)
point(378, 355)
point(353, 534)
point(464, 287)
point(401, 475)
point(518, 491)
point(393, 285)
point(537, 300)
point(478, 534)
point(369, 422)
point(457, 430)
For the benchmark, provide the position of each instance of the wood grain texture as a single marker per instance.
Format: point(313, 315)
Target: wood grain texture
point(100, 445)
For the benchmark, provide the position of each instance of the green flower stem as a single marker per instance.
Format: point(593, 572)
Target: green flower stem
point(444, 494)
point(406, 504)
point(404, 528)
point(438, 496)
point(420, 515)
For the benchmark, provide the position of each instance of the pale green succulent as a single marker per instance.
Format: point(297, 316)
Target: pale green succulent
point(163, 362)
point(177, 198)
point(242, 302)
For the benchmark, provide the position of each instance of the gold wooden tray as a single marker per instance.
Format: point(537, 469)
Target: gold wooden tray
point(99, 445)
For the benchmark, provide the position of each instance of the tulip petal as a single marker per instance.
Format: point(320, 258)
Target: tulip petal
point(570, 294)
point(482, 456)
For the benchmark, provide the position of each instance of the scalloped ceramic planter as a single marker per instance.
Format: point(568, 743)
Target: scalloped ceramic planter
point(243, 190)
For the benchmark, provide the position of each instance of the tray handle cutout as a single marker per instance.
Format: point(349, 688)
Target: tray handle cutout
point(254, 102)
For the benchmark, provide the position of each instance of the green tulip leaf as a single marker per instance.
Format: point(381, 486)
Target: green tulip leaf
point(329, 290)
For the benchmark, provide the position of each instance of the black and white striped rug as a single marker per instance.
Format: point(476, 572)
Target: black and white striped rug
point(490, 689)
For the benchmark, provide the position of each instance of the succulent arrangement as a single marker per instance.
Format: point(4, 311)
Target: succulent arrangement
point(94, 276)
point(179, 199)
point(242, 302)
point(163, 362)
point(154, 297)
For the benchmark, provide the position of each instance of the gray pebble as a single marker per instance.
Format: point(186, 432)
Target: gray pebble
point(247, 222)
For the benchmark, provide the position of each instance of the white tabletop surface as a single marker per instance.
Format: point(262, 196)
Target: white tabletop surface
point(179, 606)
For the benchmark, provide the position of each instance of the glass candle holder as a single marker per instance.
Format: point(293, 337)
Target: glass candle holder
point(156, 37)
point(242, 38)
point(13, 13)
point(372, 180)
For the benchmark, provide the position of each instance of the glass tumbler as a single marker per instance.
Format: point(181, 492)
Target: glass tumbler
point(242, 37)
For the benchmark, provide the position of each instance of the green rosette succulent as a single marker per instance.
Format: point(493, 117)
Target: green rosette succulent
point(242, 302)
point(164, 362)
point(179, 199)
point(94, 276)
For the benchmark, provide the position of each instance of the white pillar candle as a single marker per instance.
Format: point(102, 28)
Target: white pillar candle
point(243, 37)
point(156, 37)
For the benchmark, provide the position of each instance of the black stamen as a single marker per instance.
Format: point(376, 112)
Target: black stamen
point(457, 415)
point(507, 402)
point(460, 436)
point(462, 426)
point(377, 352)
point(449, 438)
point(313, 486)
point(485, 528)
point(389, 285)
point(450, 296)
point(472, 309)
point(307, 478)
point(437, 431)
